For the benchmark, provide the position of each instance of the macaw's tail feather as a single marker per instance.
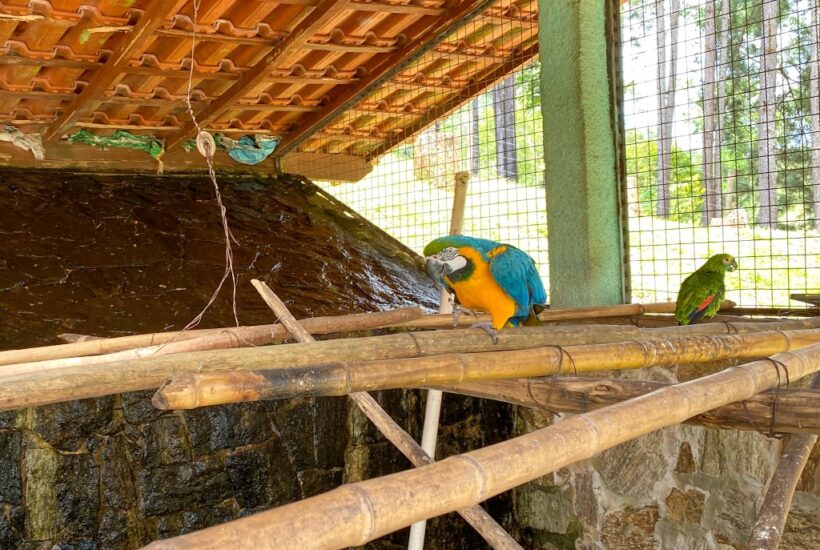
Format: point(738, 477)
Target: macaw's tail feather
point(533, 320)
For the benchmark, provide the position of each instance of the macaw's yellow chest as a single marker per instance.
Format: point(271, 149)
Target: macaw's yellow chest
point(480, 291)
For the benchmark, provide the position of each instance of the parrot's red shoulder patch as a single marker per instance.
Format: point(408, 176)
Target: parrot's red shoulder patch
point(704, 304)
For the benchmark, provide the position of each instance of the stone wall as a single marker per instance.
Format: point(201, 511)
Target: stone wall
point(112, 255)
point(681, 488)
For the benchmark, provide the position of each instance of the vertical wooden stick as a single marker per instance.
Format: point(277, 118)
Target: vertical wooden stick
point(771, 520)
point(432, 410)
point(481, 521)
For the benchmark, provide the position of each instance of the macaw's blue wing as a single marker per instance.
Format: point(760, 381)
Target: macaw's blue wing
point(515, 272)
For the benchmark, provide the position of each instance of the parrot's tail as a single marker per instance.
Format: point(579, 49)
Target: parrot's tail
point(533, 320)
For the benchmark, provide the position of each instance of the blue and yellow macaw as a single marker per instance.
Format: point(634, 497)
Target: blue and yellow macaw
point(496, 278)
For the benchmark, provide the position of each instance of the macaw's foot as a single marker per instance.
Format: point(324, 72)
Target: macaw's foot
point(458, 309)
point(487, 327)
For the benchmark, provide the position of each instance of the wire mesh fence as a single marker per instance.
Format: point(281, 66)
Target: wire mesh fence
point(484, 79)
point(722, 138)
point(720, 104)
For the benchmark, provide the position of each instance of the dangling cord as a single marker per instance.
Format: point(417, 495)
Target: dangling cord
point(206, 146)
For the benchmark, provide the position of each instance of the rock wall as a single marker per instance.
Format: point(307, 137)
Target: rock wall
point(682, 488)
point(112, 255)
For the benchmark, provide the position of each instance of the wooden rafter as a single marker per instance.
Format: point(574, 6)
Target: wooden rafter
point(132, 44)
point(492, 76)
point(279, 55)
point(390, 66)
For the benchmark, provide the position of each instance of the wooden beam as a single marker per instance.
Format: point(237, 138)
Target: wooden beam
point(132, 44)
point(285, 50)
point(798, 410)
point(390, 66)
point(488, 79)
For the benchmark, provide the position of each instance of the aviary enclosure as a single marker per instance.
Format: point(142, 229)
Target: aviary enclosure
point(606, 428)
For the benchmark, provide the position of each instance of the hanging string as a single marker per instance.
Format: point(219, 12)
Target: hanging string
point(207, 147)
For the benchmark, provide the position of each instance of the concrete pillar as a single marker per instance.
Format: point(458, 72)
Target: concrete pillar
point(580, 154)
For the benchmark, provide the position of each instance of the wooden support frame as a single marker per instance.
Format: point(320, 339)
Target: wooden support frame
point(390, 66)
point(134, 42)
point(284, 51)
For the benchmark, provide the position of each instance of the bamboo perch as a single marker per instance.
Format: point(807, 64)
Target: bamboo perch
point(798, 411)
point(226, 338)
point(357, 513)
point(258, 335)
point(479, 519)
point(83, 381)
point(562, 314)
point(193, 389)
point(771, 521)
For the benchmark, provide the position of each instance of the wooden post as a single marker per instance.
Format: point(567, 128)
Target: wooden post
point(475, 515)
point(354, 514)
point(771, 521)
point(798, 411)
point(432, 410)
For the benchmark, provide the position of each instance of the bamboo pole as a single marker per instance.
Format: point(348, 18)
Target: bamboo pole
point(71, 338)
point(771, 520)
point(83, 381)
point(561, 314)
point(192, 389)
point(354, 514)
point(255, 335)
point(798, 410)
point(479, 519)
point(226, 338)
point(432, 408)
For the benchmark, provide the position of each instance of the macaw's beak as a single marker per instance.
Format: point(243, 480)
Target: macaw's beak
point(733, 265)
point(437, 269)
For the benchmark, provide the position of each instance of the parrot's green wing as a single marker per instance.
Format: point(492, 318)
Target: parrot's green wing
point(700, 296)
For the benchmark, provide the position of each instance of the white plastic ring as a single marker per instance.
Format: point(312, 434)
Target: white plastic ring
point(205, 144)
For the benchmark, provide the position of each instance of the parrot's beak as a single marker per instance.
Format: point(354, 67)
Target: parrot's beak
point(437, 269)
point(732, 266)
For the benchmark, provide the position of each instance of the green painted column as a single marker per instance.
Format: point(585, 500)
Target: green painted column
point(583, 212)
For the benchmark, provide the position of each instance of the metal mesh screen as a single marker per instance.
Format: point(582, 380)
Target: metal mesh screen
point(721, 99)
point(475, 97)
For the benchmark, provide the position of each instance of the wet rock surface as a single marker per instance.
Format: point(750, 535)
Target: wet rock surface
point(114, 255)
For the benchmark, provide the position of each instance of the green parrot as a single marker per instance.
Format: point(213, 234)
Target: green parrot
point(702, 292)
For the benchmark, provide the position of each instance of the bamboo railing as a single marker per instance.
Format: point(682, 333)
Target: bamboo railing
point(797, 410)
point(38, 384)
point(85, 345)
point(196, 389)
point(357, 513)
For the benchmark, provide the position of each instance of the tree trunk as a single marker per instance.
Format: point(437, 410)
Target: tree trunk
point(666, 99)
point(475, 149)
point(504, 106)
point(767, 170)
point(711, 145)
point(815, 113)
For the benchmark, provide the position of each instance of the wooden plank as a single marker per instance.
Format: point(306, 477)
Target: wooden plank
point(285, 51)
point(813, 299)
point(132, 44)
point(390, 66)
